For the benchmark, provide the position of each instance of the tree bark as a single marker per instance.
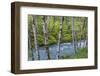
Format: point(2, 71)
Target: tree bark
point(76, 43)
point(34, 25)
point(30, 45)
point(73, 35)
point(59, 38)
point(85, 32)
point(45, 33)
point(80, 31)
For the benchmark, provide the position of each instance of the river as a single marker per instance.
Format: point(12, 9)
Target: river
point(65, 49)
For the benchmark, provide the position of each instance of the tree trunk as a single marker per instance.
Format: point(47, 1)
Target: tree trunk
point(34, 25)
point(59, 38)
point(80, 31)
point(30, 45)
point(76, 43)
point(45, 33)
point(85, 32)
point(73, 35)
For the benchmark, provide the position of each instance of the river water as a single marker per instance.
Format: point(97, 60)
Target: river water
point(65, 49)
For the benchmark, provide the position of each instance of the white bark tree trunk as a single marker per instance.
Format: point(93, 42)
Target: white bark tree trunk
point(73, 35)
point(85, 32)
point(34, 25)
point(80, 31)
point(59, 38)
point(45, 33)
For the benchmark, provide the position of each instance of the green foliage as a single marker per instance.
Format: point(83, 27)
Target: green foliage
point(81, 53)
point(40, 39)
point(66, 38)
point(53, 29)
point(52, 40)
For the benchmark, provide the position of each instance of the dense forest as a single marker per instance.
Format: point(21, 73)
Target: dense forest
point(45, 31)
